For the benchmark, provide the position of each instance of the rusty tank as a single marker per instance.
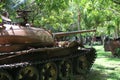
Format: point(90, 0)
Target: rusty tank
point(29, 53)
point(112, 45)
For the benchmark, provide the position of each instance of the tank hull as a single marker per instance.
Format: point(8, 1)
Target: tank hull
point(36, 58)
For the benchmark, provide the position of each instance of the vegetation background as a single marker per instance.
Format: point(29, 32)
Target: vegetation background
point(68, 15)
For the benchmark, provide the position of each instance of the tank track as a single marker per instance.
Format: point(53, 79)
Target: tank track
point(88, 54)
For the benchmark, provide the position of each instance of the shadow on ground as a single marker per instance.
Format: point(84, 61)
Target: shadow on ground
point(96, 75)
point(106, 67)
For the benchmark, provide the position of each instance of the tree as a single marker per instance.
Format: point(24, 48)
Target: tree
point(66, 15)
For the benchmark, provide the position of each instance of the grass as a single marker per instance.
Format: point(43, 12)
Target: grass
point(106, 67)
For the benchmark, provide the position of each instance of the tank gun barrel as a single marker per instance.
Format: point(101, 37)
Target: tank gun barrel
point(59, 34)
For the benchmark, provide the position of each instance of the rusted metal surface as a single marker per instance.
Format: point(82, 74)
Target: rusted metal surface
point(112, 45)
point(72, 32)
point(15, 37)
point(36, 55)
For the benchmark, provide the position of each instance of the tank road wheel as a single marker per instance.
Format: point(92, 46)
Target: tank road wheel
point(28, 73)
point(65, 70)
point(48, 71)
point(5, 75)
point(81, 64)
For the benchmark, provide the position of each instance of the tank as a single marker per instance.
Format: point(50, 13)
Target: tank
point(112, 45)
point(29, 53)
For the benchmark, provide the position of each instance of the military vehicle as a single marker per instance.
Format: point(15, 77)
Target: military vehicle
point(29, 53)
point(112, 45)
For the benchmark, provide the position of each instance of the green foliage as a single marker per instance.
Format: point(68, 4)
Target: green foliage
point(0, 20)
point(53, 4)
point(59, 15)
point(117, 51)
point(116, 1)
point(105, 67)
point(1, 5)
point(60, 22)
